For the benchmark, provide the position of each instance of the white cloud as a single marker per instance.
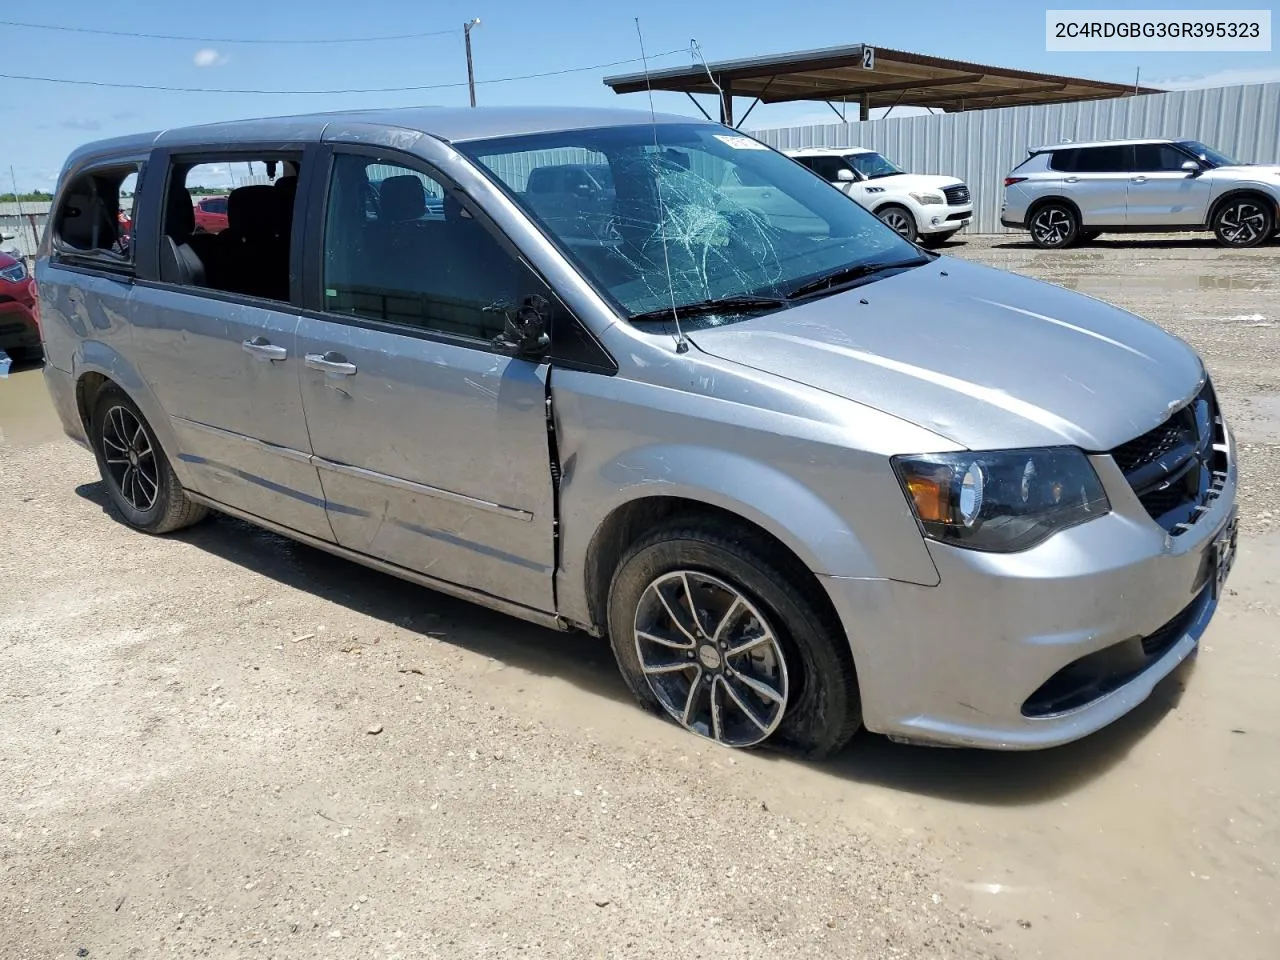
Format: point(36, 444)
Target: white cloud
point(208, 57)
point(1223, 78)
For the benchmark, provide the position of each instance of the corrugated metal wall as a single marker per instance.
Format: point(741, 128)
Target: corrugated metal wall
point(982, 147)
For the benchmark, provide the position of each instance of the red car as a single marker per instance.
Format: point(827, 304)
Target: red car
point(211, 214)
point(19, 331)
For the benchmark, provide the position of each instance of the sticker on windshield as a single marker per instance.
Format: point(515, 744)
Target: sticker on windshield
point(741, 143)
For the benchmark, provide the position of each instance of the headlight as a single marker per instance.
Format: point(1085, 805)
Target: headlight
point(16, 273)
point(1001, 501)
point(925, 198)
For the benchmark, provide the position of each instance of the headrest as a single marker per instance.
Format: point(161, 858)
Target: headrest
point(251, 210)
point(179, 215)
point(402, 198)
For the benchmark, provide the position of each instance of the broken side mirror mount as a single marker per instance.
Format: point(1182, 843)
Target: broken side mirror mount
point(525, 333)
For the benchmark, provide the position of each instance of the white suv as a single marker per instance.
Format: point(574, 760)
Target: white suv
point(922, 208)
point(1070, 192)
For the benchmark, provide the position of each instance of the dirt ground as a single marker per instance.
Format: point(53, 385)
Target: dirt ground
point(221, 744)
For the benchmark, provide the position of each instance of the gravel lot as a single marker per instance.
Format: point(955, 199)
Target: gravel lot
point(223, 744)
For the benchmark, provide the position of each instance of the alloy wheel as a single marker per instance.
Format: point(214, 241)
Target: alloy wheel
point(130, 458)
point(1052, 226)
point(711, 658)
point(898, 222)
point(1242, 223)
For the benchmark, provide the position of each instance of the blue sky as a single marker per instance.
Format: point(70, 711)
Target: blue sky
point(41, 122)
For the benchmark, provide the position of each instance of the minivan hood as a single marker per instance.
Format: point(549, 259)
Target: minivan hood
point(984, 358)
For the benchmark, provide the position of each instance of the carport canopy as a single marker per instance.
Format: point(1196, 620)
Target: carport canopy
point(871, 77)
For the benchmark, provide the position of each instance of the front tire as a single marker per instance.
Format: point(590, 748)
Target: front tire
point(1054, 226)
point(728, 644)
point(1243, 222)
point(135, 470)
point(899, 220)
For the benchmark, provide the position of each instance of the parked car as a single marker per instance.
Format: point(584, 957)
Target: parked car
point(804, 476)
point(926, 208)
point(211, 214)
point(1071, 193)
point(19, 331)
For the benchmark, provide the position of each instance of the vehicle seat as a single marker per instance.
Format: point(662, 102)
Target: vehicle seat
point(179, 261)
point(257, 261)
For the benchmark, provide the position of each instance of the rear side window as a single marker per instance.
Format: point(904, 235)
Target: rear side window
point(93, 224)
point(1091, 160)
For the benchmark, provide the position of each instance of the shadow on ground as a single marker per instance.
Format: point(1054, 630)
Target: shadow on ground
point(1120, 242)
point(972, 776)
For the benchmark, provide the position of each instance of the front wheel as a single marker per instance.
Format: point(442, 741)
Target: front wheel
point(899, 220)
point(726, 644)
point(1243, 222)
point(135, 470)
point(1054, 226)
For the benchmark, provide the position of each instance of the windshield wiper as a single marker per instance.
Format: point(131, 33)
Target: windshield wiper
point(702, 308)
point(847, 275)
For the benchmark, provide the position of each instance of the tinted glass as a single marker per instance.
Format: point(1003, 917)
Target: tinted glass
point(398, 248)
point(1103, 160)
point(727, 215)
point(1158, 158)
point(826, 167)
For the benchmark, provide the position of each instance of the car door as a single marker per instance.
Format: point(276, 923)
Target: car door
point(225, 368)
point(1096, 179)
point(1161, 193)
point(432, 445)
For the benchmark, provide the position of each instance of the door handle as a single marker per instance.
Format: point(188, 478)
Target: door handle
point(1071, 180)
point(332, 363)
point(1138, 180)
point(260, 348)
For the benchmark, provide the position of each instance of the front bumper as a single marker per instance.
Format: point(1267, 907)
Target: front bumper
point(964, 663)
point(938, 218)
point(18, 329)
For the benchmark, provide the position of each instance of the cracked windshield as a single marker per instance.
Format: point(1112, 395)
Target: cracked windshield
point(730, 220)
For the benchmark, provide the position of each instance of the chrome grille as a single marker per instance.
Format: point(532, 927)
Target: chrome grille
point(1178, 468)
point(956, 195)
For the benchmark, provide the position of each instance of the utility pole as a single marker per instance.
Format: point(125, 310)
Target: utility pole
point(471, 74)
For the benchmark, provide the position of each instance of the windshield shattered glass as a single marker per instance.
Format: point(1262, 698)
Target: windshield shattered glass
point(872, 165)
point(725, 215)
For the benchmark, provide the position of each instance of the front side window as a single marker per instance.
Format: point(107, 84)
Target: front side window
point(698, 215)
point(827, 167)
point(94, 220)
point(873, 166)
point(1158, 158)
point(399, 248)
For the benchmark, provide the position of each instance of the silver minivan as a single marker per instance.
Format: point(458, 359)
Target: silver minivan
point(803, 474)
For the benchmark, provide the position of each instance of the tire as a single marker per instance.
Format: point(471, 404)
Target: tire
point(935, 240)
point(1054, 226)
point(898, 219)
point(134, 468)
point(814, 709)
point(1242, 222)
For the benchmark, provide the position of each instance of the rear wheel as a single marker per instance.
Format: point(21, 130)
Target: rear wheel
point(1243, 222)
point(730, 646)
point(899, 220)
point(1054, 226)
point(135, 470)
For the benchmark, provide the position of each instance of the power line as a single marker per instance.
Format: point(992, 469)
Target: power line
point(189, 39)
point(412, 89)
